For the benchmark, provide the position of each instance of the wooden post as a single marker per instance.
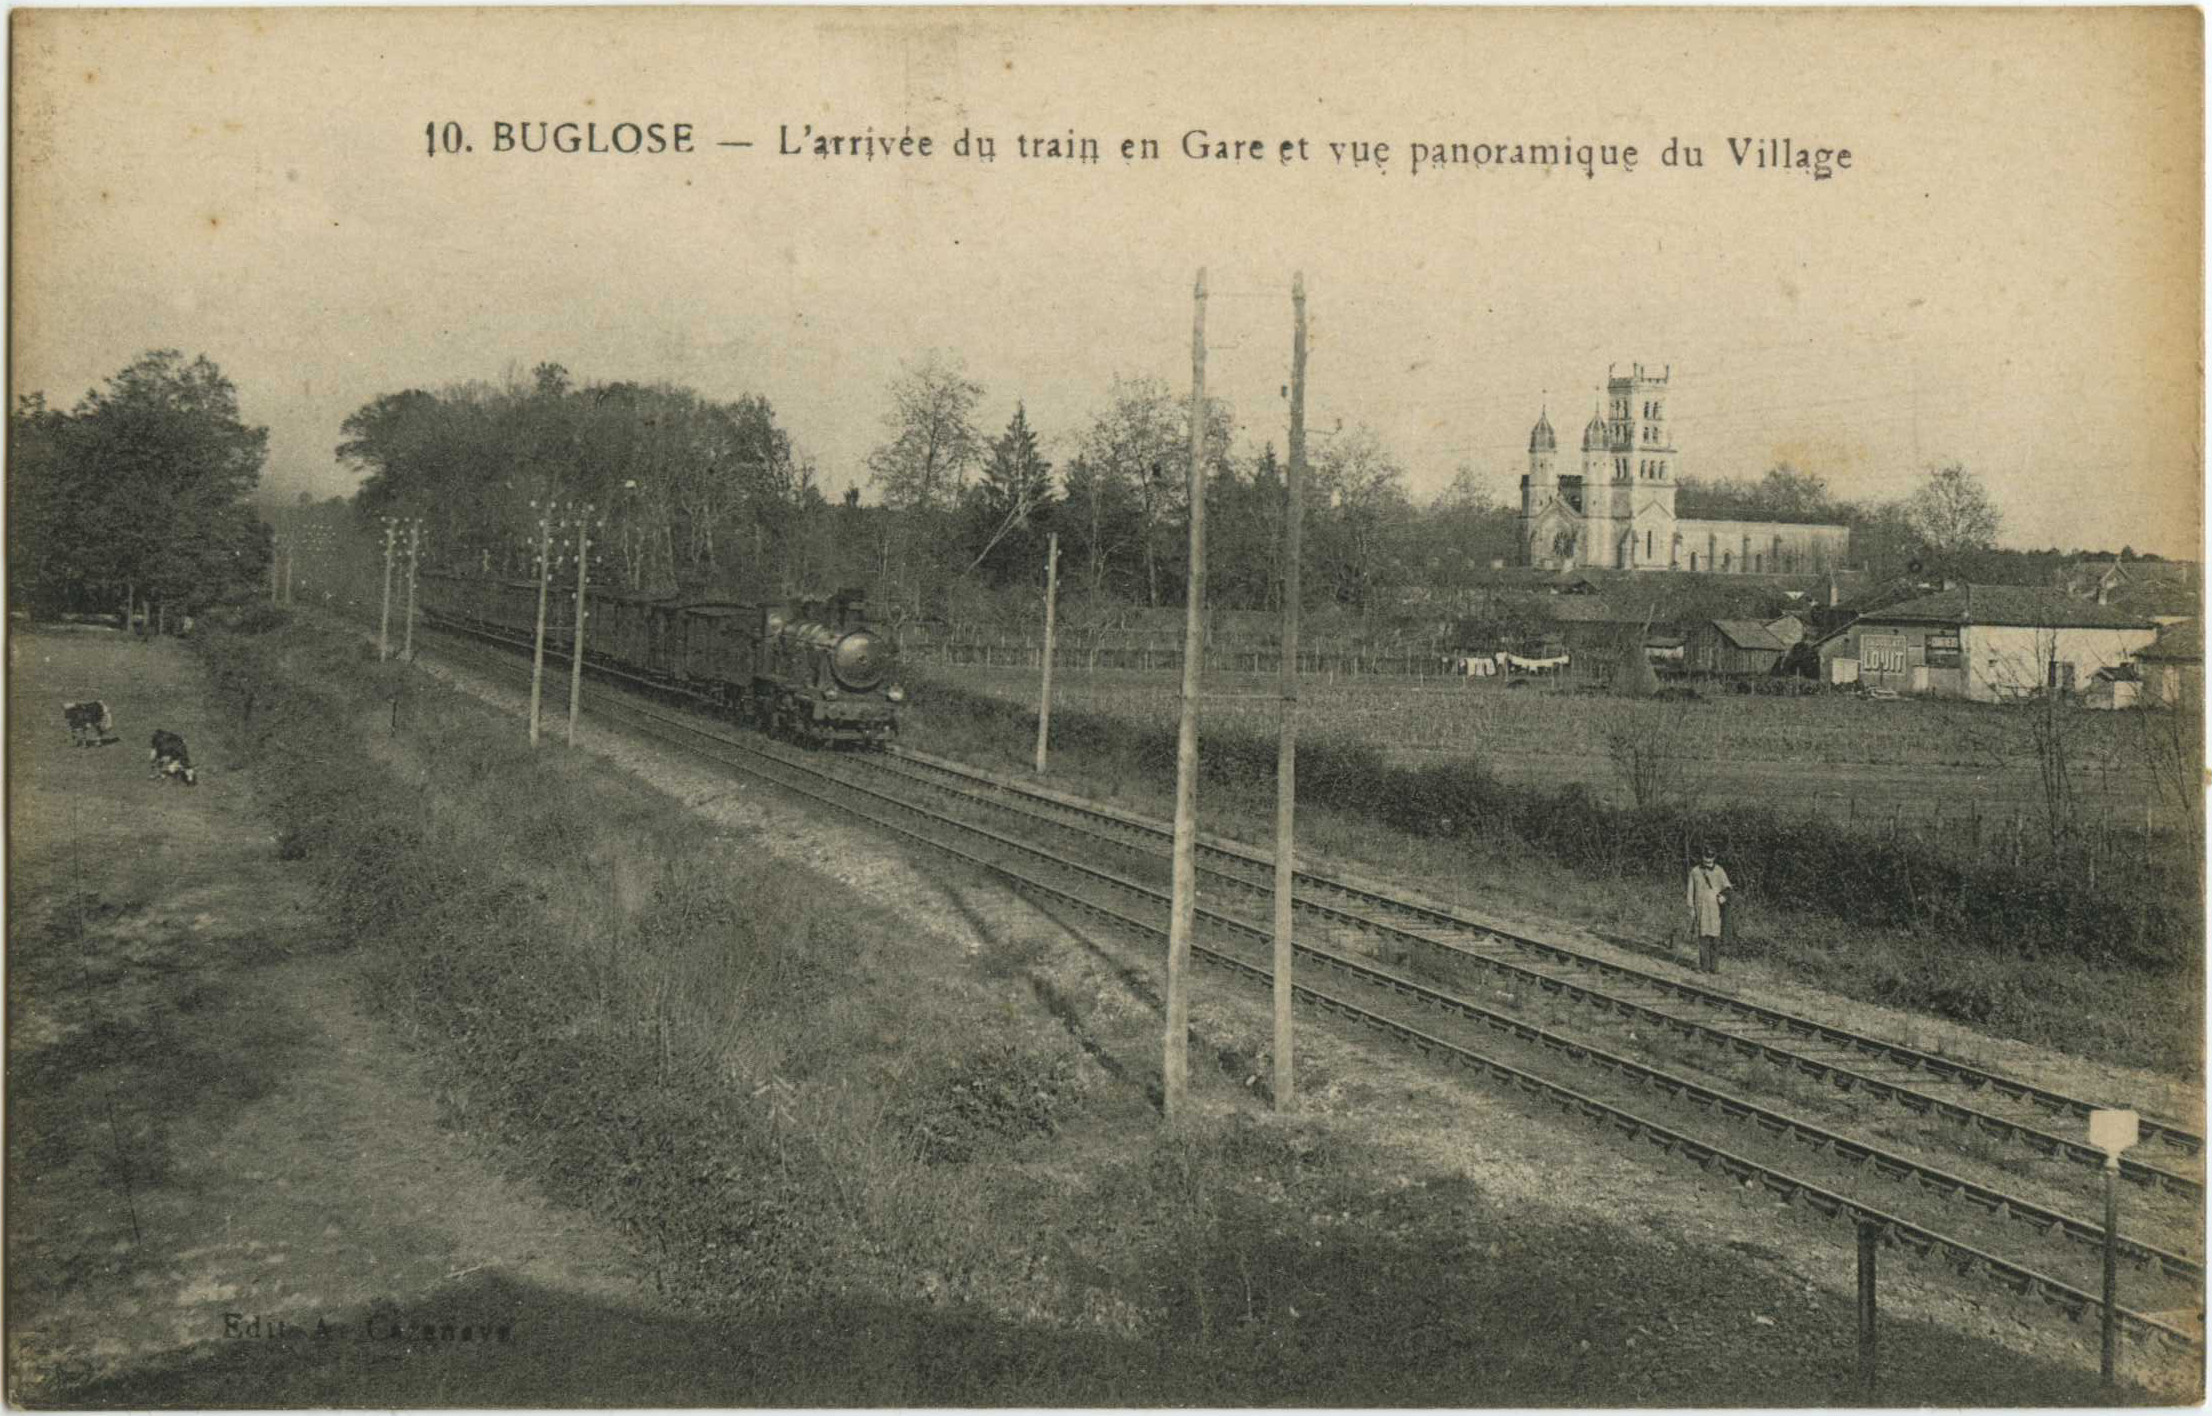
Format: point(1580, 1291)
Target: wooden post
point(576, 645)
point(414, 556)
point(1175, 1058)
point(537, 652)
point(2108, 1367)
point(1868, 1343)
point(384, 627)
point(1286, 758)
point(1044, 693)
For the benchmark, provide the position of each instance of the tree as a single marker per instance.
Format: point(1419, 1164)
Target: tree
point(1359, 493)
point(1015, 493)
point(933, 439)
point(1138, 451)
point(142, 487)
point(1954, 512)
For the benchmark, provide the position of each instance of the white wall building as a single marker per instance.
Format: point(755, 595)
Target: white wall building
point(1989, 643)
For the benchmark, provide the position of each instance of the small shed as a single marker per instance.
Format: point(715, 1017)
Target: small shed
point(1734, 647)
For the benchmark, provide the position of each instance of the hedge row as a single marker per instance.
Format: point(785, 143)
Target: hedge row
point(1804, 861)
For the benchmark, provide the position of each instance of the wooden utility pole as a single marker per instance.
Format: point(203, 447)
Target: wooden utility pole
point(1175, 1063)
point(1869, 1341)
point(384, 625)
point(1286, 756)
point(576, 645)
point(537, 653)
point(414, 556)
point(1044, 697)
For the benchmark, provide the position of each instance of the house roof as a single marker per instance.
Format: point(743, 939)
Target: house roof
point(2182, 644)
point(2024, 606)
point(1749, 634)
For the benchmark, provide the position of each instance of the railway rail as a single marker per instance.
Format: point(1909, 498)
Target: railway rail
point(1634, 995)
point(1112, 896)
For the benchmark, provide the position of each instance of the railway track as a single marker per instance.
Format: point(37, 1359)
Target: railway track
point(1926, 1209)
point(1921, 1083)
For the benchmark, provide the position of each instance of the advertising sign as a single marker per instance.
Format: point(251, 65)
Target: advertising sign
point(1943, 648)
point(1882, 653)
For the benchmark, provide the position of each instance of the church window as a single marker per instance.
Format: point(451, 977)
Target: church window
point(1758, 562)
point(1647, 555)
point(1727, 560)
point(1693, 564)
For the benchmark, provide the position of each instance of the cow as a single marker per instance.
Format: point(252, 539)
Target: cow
point(89, 723)
point(170, 759)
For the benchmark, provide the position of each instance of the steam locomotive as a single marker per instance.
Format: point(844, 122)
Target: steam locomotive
point(814, 671)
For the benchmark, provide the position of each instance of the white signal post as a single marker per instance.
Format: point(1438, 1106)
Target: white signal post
point(414, 557)
point(537, 652)
point(576, 644)
point(2112, 1132)
point(384, 624)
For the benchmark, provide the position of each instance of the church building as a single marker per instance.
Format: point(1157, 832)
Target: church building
point(1617, 513)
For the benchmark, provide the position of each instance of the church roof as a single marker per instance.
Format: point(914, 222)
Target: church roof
point(1541, 438)
point(1594, 436)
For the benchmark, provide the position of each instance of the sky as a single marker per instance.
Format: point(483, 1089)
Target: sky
point(2009, 275)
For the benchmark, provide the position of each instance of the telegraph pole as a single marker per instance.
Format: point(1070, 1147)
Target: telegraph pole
point(414, 556)
point(1286, 758)
point(1175, 1063)
point(537, 652)
point(576, 645)
point(1044, 697)
point(384, 625)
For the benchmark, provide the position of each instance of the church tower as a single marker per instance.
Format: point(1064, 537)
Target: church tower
point(1597, 491)
point(1540, 488)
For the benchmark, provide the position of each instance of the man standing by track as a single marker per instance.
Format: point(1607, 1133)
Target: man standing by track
point(1709, 892)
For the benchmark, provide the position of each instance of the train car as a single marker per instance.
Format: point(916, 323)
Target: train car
point(814, 671)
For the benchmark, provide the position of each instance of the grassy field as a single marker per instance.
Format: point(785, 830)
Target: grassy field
point(1917, 761)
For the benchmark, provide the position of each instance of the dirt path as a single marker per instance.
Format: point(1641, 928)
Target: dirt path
point(228, 1184)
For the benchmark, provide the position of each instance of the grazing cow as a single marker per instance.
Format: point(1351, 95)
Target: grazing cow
point(171, 760)
point(89, 722)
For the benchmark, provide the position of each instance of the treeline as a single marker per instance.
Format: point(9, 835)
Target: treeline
point(691, 492)
point(685, 490)
point(135, 500)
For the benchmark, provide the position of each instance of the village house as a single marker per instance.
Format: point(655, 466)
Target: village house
point(2173, 667)
point(1989, 643)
